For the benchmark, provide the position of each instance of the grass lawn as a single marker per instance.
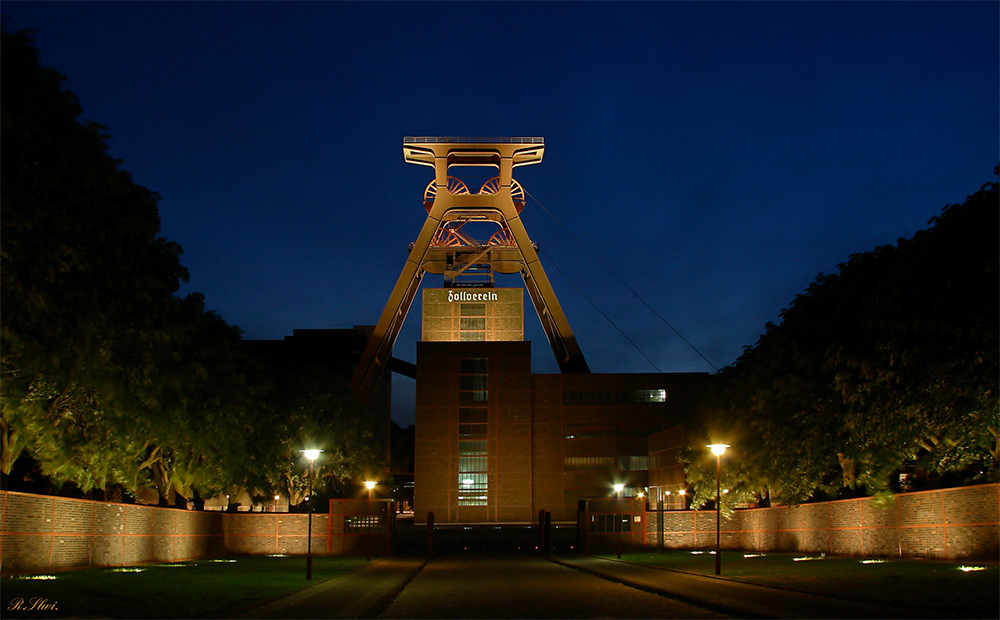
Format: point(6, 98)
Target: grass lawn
point(198, 589)
point(911, 583)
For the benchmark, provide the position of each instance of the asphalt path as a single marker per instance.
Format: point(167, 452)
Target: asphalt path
point(525, 586)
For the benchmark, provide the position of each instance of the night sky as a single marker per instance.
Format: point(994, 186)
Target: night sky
point(714, 156)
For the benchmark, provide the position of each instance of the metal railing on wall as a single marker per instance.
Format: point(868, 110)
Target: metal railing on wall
point(471, 140)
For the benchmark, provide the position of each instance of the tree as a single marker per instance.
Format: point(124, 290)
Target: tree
point(888, 365)
point(84, 275)
point(924, 366)
point(108, 377)
point(306, 403)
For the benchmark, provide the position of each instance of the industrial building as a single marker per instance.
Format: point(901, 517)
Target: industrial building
point(496, 443)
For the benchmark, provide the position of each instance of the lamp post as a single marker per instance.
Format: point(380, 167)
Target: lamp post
point(718, 449)
point(312, 455)
point(369, 484)
point(618, 514)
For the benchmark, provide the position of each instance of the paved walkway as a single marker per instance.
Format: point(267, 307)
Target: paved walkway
point(362, 594)
point(737, 598)
point(496, 585)
point(370, 591)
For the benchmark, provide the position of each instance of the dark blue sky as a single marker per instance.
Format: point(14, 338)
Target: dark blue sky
point(716, 156)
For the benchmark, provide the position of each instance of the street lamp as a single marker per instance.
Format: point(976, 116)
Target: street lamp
point(718, 449)
point(618, 514)
point(370, 485)
point(312, 455)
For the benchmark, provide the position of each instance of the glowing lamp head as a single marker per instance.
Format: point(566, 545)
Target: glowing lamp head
point(369, 484)
point(718, 449)
point(312, 455)
point(618, 487)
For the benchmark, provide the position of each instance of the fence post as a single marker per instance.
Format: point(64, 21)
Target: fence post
point(390, 515)
point(547, 533)
point(430, 534)
point(659, 524)
point(579, 526)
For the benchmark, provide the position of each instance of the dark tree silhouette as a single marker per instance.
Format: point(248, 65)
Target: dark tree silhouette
point(110, 380)
point(888, 366)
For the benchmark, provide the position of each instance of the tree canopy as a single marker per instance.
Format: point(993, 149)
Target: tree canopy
point(887, 367)
point(110, 379)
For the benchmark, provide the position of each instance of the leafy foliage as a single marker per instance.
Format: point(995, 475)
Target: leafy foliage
point(85, 283)
point(109, 378)
point(889, 365)
point(304, 402)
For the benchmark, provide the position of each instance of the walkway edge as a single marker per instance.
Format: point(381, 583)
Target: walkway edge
point(362, 594)
point(383, 601)
point(738, 598)
point(261, 609)
point(690, 600)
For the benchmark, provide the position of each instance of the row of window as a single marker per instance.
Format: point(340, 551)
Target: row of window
point(591, 430)
point(473, 484)
point(472, 323)
point(472, 366)
point(622, 463)
point(472, 415)
point(661, 460)
point(619, 397)
point(473, 394)
point(587, 430)
point(471, 431)
point(600, 523)
point(362, 524)
point(472, 310)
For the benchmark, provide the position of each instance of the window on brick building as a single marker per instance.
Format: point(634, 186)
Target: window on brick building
point(473, 427)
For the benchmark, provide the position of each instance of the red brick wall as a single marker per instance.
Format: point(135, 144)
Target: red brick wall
point(55, 533)
point(948, 523)
point(43, 533)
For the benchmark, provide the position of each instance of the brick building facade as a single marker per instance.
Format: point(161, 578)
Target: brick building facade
point(496, 443)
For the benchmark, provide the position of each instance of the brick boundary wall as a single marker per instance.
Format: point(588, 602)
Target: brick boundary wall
point(256, 533)
point(46, 533)
point(42, 533)
point(957, 523)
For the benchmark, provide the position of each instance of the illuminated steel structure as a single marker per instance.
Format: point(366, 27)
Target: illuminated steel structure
point(442, 247)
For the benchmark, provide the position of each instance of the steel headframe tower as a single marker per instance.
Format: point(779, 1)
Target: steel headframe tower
point(442, 248)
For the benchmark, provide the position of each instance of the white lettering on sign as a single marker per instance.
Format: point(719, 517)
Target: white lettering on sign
point(468, 296)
